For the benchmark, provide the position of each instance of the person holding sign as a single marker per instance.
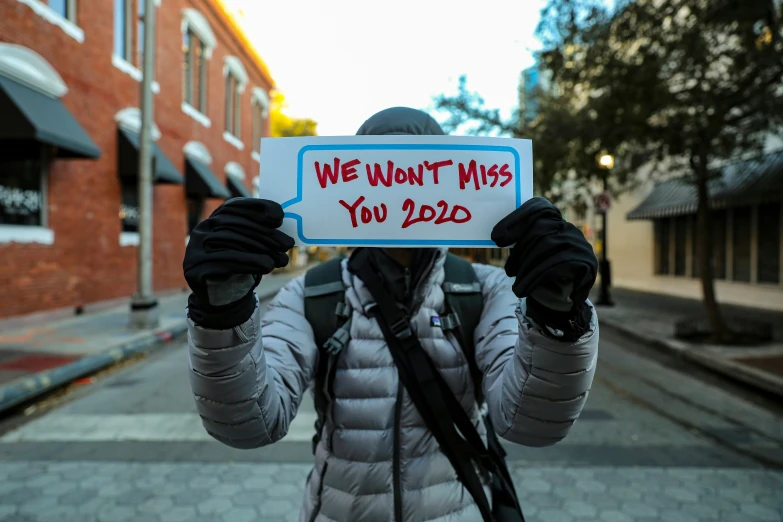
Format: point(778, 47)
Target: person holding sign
point(418, 360)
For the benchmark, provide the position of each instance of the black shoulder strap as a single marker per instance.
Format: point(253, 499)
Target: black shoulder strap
point(430, 394)
point(464, 303)
point(327, 313)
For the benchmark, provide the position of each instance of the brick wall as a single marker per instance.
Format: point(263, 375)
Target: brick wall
point(86, 262)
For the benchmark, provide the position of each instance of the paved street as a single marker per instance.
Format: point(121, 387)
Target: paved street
point(654, 444)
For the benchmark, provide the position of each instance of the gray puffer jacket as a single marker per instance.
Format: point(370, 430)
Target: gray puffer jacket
point(248, 383)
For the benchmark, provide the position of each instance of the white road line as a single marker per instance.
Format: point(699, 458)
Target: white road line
point(145, 427)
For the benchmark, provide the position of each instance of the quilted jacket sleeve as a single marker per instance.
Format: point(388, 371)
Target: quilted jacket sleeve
point(535, 385)
point(248, 382)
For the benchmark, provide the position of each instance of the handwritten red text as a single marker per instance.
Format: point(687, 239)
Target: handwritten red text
point(488, 176)
point(364, 213)
point(347, 172)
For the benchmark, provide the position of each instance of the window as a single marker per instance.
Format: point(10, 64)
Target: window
point(123, 31)
point(236, 80)
point(195, 71)
point(662, 241)
point(129, 45)
point(140, 19)
point(195, 211)
point(694, 222)
point(22, 192)
point(129, 209)
point(64, 8)
point(680, 245)
point(198, 42)
point(233, 108)
point(259, 125)
point(718, 220)
point(741, 244)
point(259, 113)
point(768, 233)
point(717, 224)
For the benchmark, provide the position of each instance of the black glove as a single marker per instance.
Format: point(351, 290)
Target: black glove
point(553, 264)
point(226, 256)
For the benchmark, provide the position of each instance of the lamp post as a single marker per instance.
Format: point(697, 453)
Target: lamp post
point(144, 305)
point(606, 162)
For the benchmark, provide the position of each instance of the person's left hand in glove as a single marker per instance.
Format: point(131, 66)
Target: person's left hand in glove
point(554, 266)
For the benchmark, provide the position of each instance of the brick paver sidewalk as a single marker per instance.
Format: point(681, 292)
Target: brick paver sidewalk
point(651, 318)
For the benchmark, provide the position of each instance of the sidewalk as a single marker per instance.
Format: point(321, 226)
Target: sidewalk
point(650, 318)
point(38, 357)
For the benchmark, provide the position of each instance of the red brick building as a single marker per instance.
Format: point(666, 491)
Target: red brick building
point(69, 97)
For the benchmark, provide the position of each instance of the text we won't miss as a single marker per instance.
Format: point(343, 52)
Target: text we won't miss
point(470, 174)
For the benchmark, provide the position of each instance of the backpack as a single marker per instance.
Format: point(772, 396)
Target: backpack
point(330, 318)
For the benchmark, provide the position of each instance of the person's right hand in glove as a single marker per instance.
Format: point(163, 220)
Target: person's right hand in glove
point(226, 256)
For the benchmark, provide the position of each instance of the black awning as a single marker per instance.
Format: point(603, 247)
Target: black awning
point(667, 199)
point(201, 182)
point(128, 158)
point(751, 181)
point(31, 118)
point(237, 188)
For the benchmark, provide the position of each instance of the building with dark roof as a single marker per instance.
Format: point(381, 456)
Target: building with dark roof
point(652, 235)
point(69, 138)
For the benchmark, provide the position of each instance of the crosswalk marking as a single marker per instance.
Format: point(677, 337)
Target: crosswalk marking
point(143, 427)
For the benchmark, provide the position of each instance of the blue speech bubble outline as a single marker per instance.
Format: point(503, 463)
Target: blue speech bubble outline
point(392, 242)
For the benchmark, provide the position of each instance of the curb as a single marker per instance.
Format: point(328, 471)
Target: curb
point(724, 366)
point(33, 385)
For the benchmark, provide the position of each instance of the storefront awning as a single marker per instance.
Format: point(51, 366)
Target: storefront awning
point(201, 182)
point(237, 188)
point(165, 171)
point(30, 118)
point(755, 180)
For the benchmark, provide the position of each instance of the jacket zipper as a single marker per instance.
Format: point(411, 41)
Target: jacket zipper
point(317, 507)
point(397, 471)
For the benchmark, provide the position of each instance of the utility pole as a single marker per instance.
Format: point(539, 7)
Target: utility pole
point(144, 305)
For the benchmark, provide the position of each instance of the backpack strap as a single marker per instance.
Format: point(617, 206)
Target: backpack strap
point(464, 304)
point(329, 316)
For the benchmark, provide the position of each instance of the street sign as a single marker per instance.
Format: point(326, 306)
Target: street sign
point(603, 202)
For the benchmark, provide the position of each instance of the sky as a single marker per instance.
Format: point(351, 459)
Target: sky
point(340, 61)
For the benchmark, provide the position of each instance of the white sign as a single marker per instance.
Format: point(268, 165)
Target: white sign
point(402, 191)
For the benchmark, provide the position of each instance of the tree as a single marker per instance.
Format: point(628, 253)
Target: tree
point(565, 146)
point(552, 130)
point(692, 82)
point(284, 126)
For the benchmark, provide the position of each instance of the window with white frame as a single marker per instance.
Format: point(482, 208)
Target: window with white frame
point(259, 113)
point(198, 41)
point(195, 67)
point(23, 191)
point(64, 8)
point(129, 208)
point(140, 20)
point(129, 31)
point(236, 80)
point(62, 13)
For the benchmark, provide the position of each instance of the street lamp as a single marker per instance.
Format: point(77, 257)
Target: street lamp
point(606, 162)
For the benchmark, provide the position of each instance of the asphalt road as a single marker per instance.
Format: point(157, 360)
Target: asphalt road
point(656, 443)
